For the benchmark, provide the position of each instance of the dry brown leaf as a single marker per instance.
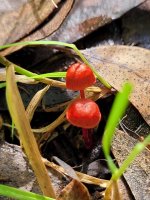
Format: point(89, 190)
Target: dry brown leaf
point(125, 192)
point(16, 171)
point(73, 191)
point(68, 169)
point(145, 5)
point(137, 175)
point(86, 16)
point(22, 18)
point(29, 22)
point(118, 64)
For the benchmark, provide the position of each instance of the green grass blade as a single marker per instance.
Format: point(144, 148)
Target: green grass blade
point(2, 85)
point(94, 71)
point(20, 194)
point(119, 106)
point(50, 75)
point(41, 42)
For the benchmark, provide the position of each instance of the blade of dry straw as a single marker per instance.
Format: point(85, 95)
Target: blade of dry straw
point(19, 117)
point(35, 101)
point(82, 177)
point(112, 191)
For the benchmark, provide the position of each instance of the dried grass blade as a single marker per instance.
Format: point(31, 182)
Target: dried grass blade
point(49, 128)
point(82, 177)
point(34, 102)
point(22, 124)
point(112, 191)
point(19, 78)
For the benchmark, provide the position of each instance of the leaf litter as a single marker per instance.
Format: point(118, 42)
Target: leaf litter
point(119, 64)
point(138, 174)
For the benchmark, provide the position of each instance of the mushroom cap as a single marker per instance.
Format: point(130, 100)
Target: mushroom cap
point(83, 113)
point(79, 76)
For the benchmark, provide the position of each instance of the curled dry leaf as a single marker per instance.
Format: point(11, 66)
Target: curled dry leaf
point(73, 191)
point(119, 64)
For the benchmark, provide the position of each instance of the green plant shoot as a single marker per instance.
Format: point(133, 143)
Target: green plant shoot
point(20, 194)
point(118, 108)
point(2, 85)
point(50, 75)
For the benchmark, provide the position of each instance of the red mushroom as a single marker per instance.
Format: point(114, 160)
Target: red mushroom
point(79, 76)
point(82, 112)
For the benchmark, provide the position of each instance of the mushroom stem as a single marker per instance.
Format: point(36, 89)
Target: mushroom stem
point(82, 94)
point(86, 133)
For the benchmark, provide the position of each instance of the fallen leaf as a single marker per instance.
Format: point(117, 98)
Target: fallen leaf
point(68, 169)
point(16, 171)
point(136, 25)
point(119, 64)
point(87, 16)
point(145, 5)
point(73, 191)
point(22, 18)
point(124, 189)
point(137, 175)
point(32, 21)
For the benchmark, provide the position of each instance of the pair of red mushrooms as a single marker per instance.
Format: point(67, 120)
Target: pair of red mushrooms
point(82, 112)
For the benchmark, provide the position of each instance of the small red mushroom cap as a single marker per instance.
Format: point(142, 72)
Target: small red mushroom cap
point(83, 113)
point(79, 76)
